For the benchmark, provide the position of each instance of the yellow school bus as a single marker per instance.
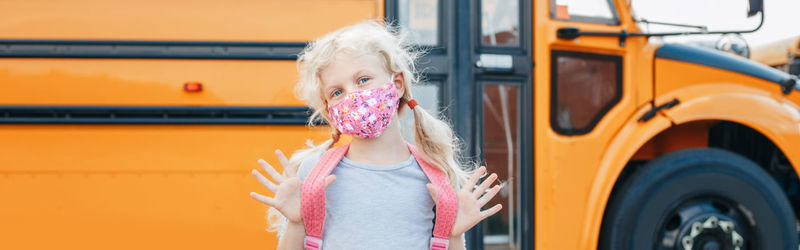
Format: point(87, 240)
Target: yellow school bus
point(782, 54)
point(135, 124)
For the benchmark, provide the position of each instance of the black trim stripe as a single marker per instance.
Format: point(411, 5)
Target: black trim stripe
point(722, 60)
point(35, 114)
point(19, 48)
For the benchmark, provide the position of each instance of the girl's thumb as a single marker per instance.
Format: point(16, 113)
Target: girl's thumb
point(329, 180)
point(432, 191)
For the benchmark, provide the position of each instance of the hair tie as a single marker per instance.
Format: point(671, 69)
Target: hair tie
point(412, 104)
point(335, 136)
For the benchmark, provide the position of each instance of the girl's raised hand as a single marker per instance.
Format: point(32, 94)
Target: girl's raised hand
point(287, 189)
point(471, 201)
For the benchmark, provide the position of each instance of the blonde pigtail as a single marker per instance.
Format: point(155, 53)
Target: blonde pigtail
point(439, 145)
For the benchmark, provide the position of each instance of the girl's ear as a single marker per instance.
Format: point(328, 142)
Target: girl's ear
point(399, 81)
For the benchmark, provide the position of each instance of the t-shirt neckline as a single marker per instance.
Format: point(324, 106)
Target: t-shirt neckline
point(352, 163)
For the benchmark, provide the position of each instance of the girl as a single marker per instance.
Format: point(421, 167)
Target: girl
point(357, 79)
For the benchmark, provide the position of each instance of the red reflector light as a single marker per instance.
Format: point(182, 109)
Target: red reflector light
point(192, 87)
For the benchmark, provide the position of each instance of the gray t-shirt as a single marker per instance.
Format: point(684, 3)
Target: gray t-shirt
point(376, 207)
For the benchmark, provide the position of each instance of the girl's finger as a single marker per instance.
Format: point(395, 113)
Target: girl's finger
point(282, 159)
point(288, 170)
point(263, 199)
point(264, 182)
point(491, 211)
point(484, 185)
point(271, 171)
point(329, 180)
point(488, 196)
point(432, 192)
point(474, 179)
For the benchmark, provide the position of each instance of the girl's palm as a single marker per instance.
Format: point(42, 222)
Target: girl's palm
point(287, 190)
point(287, 198)
point(471, 201)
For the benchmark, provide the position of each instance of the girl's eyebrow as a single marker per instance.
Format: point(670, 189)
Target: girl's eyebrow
point(329, 88)
point(360, 72)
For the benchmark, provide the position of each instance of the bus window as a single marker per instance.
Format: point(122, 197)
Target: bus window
point(428, 95)
point(584, 87)
point(594, 11)
point(420, 18)
point(500, 22)
point(500, 148)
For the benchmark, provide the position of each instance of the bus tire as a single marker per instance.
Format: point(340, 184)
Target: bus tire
point(699, 199)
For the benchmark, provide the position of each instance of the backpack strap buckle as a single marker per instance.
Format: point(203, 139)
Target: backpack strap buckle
point(312, 243)
point(439, 243)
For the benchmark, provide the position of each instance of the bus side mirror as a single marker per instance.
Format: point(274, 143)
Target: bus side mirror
point(754, 7)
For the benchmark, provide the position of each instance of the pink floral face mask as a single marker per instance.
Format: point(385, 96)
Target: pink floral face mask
point(366, 113)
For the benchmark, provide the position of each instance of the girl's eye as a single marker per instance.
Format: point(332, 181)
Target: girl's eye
point(336, 93)
point(363, 80)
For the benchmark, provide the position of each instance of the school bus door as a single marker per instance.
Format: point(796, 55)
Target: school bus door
point(479, 68)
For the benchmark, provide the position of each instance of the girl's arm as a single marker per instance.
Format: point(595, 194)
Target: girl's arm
point(456, 243)
point(293, 237)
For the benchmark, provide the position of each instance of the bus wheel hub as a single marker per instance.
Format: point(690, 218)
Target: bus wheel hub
point(711, 234)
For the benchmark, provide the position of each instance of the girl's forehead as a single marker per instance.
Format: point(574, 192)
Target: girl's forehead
point(343, 67)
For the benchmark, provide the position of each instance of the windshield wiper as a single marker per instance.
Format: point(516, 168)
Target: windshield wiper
point(702, 28)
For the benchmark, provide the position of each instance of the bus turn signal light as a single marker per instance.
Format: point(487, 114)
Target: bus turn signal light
point(193, 87)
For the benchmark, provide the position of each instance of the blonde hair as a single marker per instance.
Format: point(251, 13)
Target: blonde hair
point(433, 137)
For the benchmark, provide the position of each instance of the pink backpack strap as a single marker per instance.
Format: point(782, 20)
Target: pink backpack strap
point(446, 204)
point(312, 196)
